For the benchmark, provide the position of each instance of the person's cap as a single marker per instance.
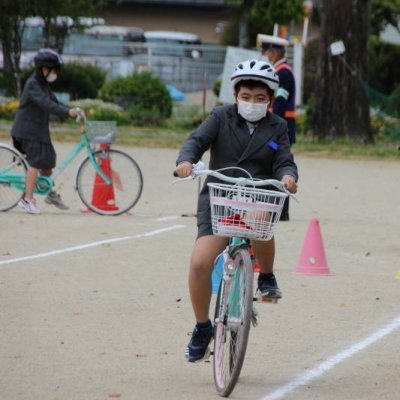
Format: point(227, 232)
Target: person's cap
point(267, 42)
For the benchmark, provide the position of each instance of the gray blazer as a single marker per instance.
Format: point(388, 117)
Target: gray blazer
point(265, 154)
point(36, 104)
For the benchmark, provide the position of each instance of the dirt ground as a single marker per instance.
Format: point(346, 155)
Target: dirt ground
point(97, 308)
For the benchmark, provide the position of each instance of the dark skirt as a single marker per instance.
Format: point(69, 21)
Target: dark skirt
point(39, 155)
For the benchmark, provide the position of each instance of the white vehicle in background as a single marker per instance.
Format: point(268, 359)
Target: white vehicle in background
point(33, 35)
point(171, 43)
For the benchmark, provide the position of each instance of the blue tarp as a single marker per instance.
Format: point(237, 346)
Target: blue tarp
point(175, 93)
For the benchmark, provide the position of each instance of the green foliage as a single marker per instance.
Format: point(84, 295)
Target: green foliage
point(384, 65)
point(185, 117)
point(264, 13)
point(383, 12)
point(261, 16)
point(144, 95)
point(8, 108)
point(217, 87)
point(98, 110)
point(81, 81)
point(7, 83)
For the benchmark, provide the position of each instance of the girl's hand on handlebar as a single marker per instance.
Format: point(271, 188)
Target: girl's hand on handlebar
point(73, 112)
point(184, 169)
point(290, 183)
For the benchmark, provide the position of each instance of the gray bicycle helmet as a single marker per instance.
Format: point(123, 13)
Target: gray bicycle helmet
point(48, 58)
point(256, 70)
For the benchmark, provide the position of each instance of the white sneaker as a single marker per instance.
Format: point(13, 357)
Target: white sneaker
point(29, 206)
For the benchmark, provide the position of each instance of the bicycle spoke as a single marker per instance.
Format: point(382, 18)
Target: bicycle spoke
point(125, 188)
point(12, 178)
point(232, 325)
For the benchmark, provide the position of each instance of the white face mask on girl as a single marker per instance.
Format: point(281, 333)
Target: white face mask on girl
point(51, 77)
point(252, 111)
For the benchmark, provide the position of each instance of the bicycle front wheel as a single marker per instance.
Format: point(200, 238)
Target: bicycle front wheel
point(233, 313)
point(125, 188)
point(12, 177)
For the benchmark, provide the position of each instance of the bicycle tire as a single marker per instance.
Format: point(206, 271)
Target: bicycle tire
point(14, 162)
point(122, 194)
point(230, 341)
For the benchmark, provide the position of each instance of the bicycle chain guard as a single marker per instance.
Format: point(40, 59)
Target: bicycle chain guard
point(43, 184)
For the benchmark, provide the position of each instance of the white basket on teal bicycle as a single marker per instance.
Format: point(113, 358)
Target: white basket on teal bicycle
point(102, 131)
point(245, 211)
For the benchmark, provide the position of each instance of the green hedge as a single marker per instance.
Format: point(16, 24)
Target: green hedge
point(81, 81)
point(143, 95)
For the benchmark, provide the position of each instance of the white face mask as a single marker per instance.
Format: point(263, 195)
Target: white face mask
point(51, 77)
point(252, 111)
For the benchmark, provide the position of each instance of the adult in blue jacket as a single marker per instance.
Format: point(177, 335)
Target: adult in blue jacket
point(30, 131)
point(245, 135)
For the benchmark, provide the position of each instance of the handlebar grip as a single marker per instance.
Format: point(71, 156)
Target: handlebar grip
point(175, 174)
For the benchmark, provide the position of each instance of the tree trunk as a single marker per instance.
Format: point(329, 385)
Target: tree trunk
point(11, 47)
point(244, 25)
point(341, 105)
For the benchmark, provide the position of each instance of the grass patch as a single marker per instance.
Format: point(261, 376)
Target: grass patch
point(383, 149)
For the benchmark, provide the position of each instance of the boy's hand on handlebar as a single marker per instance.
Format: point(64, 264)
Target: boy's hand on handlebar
point(184, 169)
point(290, 183)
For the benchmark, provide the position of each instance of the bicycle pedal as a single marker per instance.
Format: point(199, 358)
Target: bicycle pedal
point(268, 300)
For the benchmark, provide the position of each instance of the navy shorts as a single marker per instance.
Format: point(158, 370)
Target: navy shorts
point(39, 155)
point(204, 230)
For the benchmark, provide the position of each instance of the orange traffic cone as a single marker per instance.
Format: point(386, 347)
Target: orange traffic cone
point(313, 259)
point(103, 195)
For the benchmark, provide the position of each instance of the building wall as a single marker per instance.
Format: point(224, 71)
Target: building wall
point(201, 21)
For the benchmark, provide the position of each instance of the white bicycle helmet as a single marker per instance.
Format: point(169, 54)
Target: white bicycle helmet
point(256, 70)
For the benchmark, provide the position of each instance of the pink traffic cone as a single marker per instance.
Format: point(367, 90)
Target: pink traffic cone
point(312, 258)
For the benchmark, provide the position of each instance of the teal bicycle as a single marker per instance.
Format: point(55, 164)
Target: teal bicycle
point(108, 181)
point(244, 213)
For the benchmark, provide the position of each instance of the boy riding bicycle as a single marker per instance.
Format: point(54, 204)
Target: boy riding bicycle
point(30, 132)
point(242, 135)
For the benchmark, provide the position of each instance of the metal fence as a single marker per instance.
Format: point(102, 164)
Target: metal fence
point(180, 65)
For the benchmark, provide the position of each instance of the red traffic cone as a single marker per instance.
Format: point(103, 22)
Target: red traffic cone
point(103, 195)
point(313, 259)
point(256, 265)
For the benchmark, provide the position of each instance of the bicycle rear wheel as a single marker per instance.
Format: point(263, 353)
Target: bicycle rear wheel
point(233, 313)
point(126, 182)
point(12, 168)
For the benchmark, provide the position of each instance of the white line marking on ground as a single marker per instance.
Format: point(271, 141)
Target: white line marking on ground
point(170, 218)
point(330, 363)
point(88, 245)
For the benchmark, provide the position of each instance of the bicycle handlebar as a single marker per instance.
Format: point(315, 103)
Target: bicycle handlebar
point(81, 117)
point(200, 169)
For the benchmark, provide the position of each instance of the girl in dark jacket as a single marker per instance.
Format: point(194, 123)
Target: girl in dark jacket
point(30, 132)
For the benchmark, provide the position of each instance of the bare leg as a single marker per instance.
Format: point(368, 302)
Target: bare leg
point(264, 252)
point(31, 177)
point(205, 250)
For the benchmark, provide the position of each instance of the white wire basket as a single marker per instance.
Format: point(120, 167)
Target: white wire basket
point(102, 131)
point(245, 211)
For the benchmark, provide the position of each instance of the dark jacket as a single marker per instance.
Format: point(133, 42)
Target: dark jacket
point(285, 100)
point(265, 154)
point(36, 104)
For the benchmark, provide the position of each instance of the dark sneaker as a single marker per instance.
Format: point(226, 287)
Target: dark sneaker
point(268, 287)
point(56, 200)
point(198, 348)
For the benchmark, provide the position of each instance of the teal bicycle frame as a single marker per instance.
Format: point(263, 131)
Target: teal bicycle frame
point(235, 243)
point(44, 184)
